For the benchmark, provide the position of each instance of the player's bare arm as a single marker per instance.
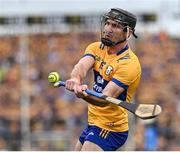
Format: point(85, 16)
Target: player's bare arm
point(112, 90)
point(78, 73)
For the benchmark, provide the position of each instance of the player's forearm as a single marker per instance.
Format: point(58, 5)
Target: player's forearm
point(96, 101)
point(78, 73)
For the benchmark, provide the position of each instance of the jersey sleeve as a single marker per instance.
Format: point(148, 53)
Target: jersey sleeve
point(90, 50)
point(125, 75)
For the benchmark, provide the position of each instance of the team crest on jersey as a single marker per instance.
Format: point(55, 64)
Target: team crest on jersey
point(100, 80)
point(109, 69)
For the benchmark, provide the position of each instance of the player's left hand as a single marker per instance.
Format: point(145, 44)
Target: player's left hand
point(79, 90)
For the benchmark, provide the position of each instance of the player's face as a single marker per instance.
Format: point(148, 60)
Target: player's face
point(113, 31)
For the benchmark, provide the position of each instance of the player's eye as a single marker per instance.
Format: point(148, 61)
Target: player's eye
point(107, 23)
point(115, 25)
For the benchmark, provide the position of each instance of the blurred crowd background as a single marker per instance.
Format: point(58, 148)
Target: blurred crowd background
point(36, 116)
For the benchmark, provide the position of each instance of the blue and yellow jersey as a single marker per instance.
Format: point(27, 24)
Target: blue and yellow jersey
point(124, 70)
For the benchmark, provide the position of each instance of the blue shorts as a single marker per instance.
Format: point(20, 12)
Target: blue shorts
point(107, 140)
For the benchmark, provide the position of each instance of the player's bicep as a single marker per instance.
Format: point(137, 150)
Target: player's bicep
point(86, 63)
point(113, 90)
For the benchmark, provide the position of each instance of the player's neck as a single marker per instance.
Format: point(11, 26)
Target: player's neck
point(117, 48)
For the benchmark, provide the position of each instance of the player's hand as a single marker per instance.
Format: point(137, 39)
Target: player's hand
point(74, 85)
point(79, 90)
point(71, 83)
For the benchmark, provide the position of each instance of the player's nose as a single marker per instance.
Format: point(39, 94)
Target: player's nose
point(109, 28)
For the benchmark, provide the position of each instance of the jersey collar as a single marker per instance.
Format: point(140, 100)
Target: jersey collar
point(123, 50)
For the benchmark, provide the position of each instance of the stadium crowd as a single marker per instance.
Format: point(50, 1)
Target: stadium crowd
point(52, 109)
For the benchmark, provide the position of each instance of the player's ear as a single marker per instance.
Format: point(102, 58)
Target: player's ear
point(125, 29)
point(128, 31)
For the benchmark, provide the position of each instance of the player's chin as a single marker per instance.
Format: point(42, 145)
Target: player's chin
point(110, 39)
